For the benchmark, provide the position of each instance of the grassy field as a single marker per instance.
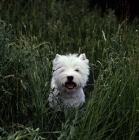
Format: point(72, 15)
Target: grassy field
point(31, 34)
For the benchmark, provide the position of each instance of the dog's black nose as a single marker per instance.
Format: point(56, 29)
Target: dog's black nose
point(70, 78)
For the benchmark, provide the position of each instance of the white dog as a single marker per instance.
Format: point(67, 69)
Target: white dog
point(70, 74)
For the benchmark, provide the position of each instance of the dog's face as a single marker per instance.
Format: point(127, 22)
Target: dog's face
point(70, 72)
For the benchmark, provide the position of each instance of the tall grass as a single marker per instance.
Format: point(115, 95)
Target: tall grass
point(31, 34)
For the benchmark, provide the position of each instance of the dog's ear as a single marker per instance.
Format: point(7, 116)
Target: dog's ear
point(57, 57)
point(55, 61)
point(82, 56)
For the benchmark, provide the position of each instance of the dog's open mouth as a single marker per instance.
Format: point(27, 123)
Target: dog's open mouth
point(70, 85)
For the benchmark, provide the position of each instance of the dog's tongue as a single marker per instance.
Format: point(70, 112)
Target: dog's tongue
point(70, 85)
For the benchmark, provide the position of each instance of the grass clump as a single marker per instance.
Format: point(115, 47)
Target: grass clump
point(31, 34)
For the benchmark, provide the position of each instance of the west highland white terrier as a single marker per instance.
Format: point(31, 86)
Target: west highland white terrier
point(70, 74)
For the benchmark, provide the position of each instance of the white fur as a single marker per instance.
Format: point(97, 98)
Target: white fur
point(63, 66)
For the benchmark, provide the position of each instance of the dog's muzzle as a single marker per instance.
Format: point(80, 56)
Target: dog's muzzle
point(70, 84)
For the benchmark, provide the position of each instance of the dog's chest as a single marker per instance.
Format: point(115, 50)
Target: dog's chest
point(73, 99)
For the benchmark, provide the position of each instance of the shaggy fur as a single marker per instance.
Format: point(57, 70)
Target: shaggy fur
point(70, 74)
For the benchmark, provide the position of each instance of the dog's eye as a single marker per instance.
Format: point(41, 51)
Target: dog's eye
point(77, 70)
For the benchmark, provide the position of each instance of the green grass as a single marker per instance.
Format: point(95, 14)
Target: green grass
point(31, 34)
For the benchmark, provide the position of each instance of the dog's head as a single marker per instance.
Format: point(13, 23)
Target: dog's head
point(71, 71)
